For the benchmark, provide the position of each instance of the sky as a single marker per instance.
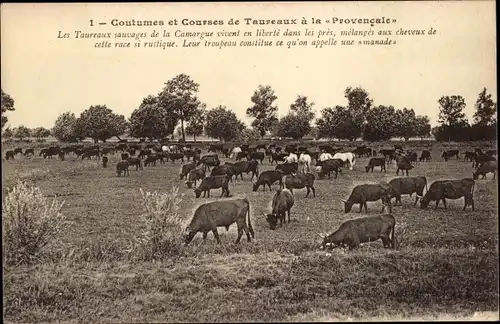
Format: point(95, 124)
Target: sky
point(47, 76)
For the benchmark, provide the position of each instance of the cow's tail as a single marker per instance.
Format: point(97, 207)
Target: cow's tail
point(250, 228)
point(393, 234)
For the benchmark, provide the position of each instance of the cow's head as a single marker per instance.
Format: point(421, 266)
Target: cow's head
point(255, 186)
point(188, 236)
point(189, 184)
point(272, 220)
point(367, 168)
point(327, 242)
point(347, 205)
point(197, 192)
point(424, 201)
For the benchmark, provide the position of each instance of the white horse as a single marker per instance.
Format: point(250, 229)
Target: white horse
point(304, 163)
point(165, 148)
point(291, 158)
point(325, 156)
point(235, 152)
point(346, 157)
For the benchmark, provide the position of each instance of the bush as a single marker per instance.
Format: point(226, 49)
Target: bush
point(30, 223)
point(164, 225)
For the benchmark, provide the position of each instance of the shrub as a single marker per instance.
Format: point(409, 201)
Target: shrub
point(31, 221)
point(164, 225)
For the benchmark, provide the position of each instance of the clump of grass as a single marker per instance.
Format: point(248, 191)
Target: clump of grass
point(163, 222)
point(31, 221)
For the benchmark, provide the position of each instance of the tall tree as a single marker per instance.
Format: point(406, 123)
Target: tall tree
point(100, 123)
point(486, 109)
point(302, 107)
point(405, 121)
point(380, 123)
point(223, 124)
point(263, 109)
point(196, 122)
point(451, 110)
point(295, 126)
point(40, 133)
point(359, 103)
point(8, 133)
point(21, 132)
point(150, 120)
point(7, 105)
point(178, 98)
point(64, 127)
point(337, 122)
point(423, 126)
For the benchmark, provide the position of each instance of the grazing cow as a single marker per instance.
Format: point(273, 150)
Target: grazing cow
point(209, 216)
point(18, 151)
point(469, 156)
point(245, 167)
point(259, 156)
point(194, 176)
point(225, 169)
point(277, 157)
point(304, 163)
point(363, 151)
point(425, 156)
point(268, 178)
point(144, 153)
point(403, 164)
point(9, 155)
point(49, 152)
point(241, 155)
point(131, 151)
point(411, 157)
point(122, 166)
point(362, 230)
point(291, 158)
point(282, 203)
point(176, 156)
point(491, 152)
point(407, 186)
point(150, 159)
point(369, 192)
point(287, 168)
point(124, 156)
point(195, 154)
point(451, 153)
point(137, 162)
point(104, 161)
point(213, 182)
point(485, 168)
point(346, 157)
point(388, 154)
point(299, 181)
point(209, 161)
point(67, 149)
point(29, 152)
point(90, 153)
point(328, 166)
point(449, 189)
point(376, 161)
point(482, 158)
point(186, 168)
point(235, 151)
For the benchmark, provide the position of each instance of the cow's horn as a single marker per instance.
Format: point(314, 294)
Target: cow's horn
point(344, 201)
point(322, 235)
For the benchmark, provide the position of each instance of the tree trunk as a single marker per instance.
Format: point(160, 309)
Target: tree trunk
point(96, 140)
point(194, 137)
point(182, 130)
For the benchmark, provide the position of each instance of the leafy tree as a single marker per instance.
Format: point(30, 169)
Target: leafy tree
point(151, 121)
point(249, 135)
point(64, 127)
point(100, 123)
point(314, 133)
point(359, 103)
point(451, 110)
point(263, 110)
point(337, 123)
point(179, 100)
point(223, 124)
point(405, 122)
point(8, 133)
point(380, 123)
point(423, 126)
point(486, 109)
point(21, 132)
point(196, 122)
point(302, 107)
point(40, 132)
point(294, 126)
point(7, 105)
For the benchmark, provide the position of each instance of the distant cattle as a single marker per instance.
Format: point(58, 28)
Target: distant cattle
point(388, 153)
point(245, 167)
point(374, 162)
point(369, 192)
point(225, 169)
point(425, 156)
point(176, 156)
point(150, 160)
point(135, 161)
point(329, 166)
point(404, 165)
point(449, 189)
point(259, 156)
point(361, 230)
point(277, 157)
point(209, 161)
point(222, 213)
point(29, 152)
point(282, 203)
point(144, 153)
point(215, 148)
point(287, 168)
point(18, 151)
point(213, 182)
point(485, 168)
point(124, 156)
point(491, 152)
point(194, 176)
point(482, 158)
point(122, 166)
point(268, 178)
point(407, 186)
point(300, 181)
point(9, 155)
point(185, 169)
point(104, 161)
point(469, 156)
point(90, 153)
point(449, 154)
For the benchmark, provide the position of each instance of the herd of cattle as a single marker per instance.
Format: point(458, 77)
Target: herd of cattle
point(294, 170)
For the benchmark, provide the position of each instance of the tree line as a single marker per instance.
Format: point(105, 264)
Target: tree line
point(176, 108)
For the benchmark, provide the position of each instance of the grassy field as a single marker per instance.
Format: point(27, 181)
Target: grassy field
point(445, 264)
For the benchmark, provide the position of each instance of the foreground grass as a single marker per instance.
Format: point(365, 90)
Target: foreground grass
point(446, 260)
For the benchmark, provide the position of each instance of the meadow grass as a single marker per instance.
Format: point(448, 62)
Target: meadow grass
point(445, 264)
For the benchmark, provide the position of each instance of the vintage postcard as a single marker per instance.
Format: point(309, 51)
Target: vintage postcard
point(249, 161)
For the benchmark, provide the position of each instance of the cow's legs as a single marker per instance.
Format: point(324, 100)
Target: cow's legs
point(314, 191)
point(247, 232)
point(366, 206)
point(240, 233)
point(205, 234)
point(216, 234)
point(437, 203)
point(444, 203)
point(360, 207)
point(308, 190)
point(288, 216)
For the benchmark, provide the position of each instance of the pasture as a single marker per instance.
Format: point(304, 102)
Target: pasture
point(445, 261)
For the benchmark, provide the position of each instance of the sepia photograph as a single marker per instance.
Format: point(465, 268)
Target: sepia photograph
point(249, 162)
